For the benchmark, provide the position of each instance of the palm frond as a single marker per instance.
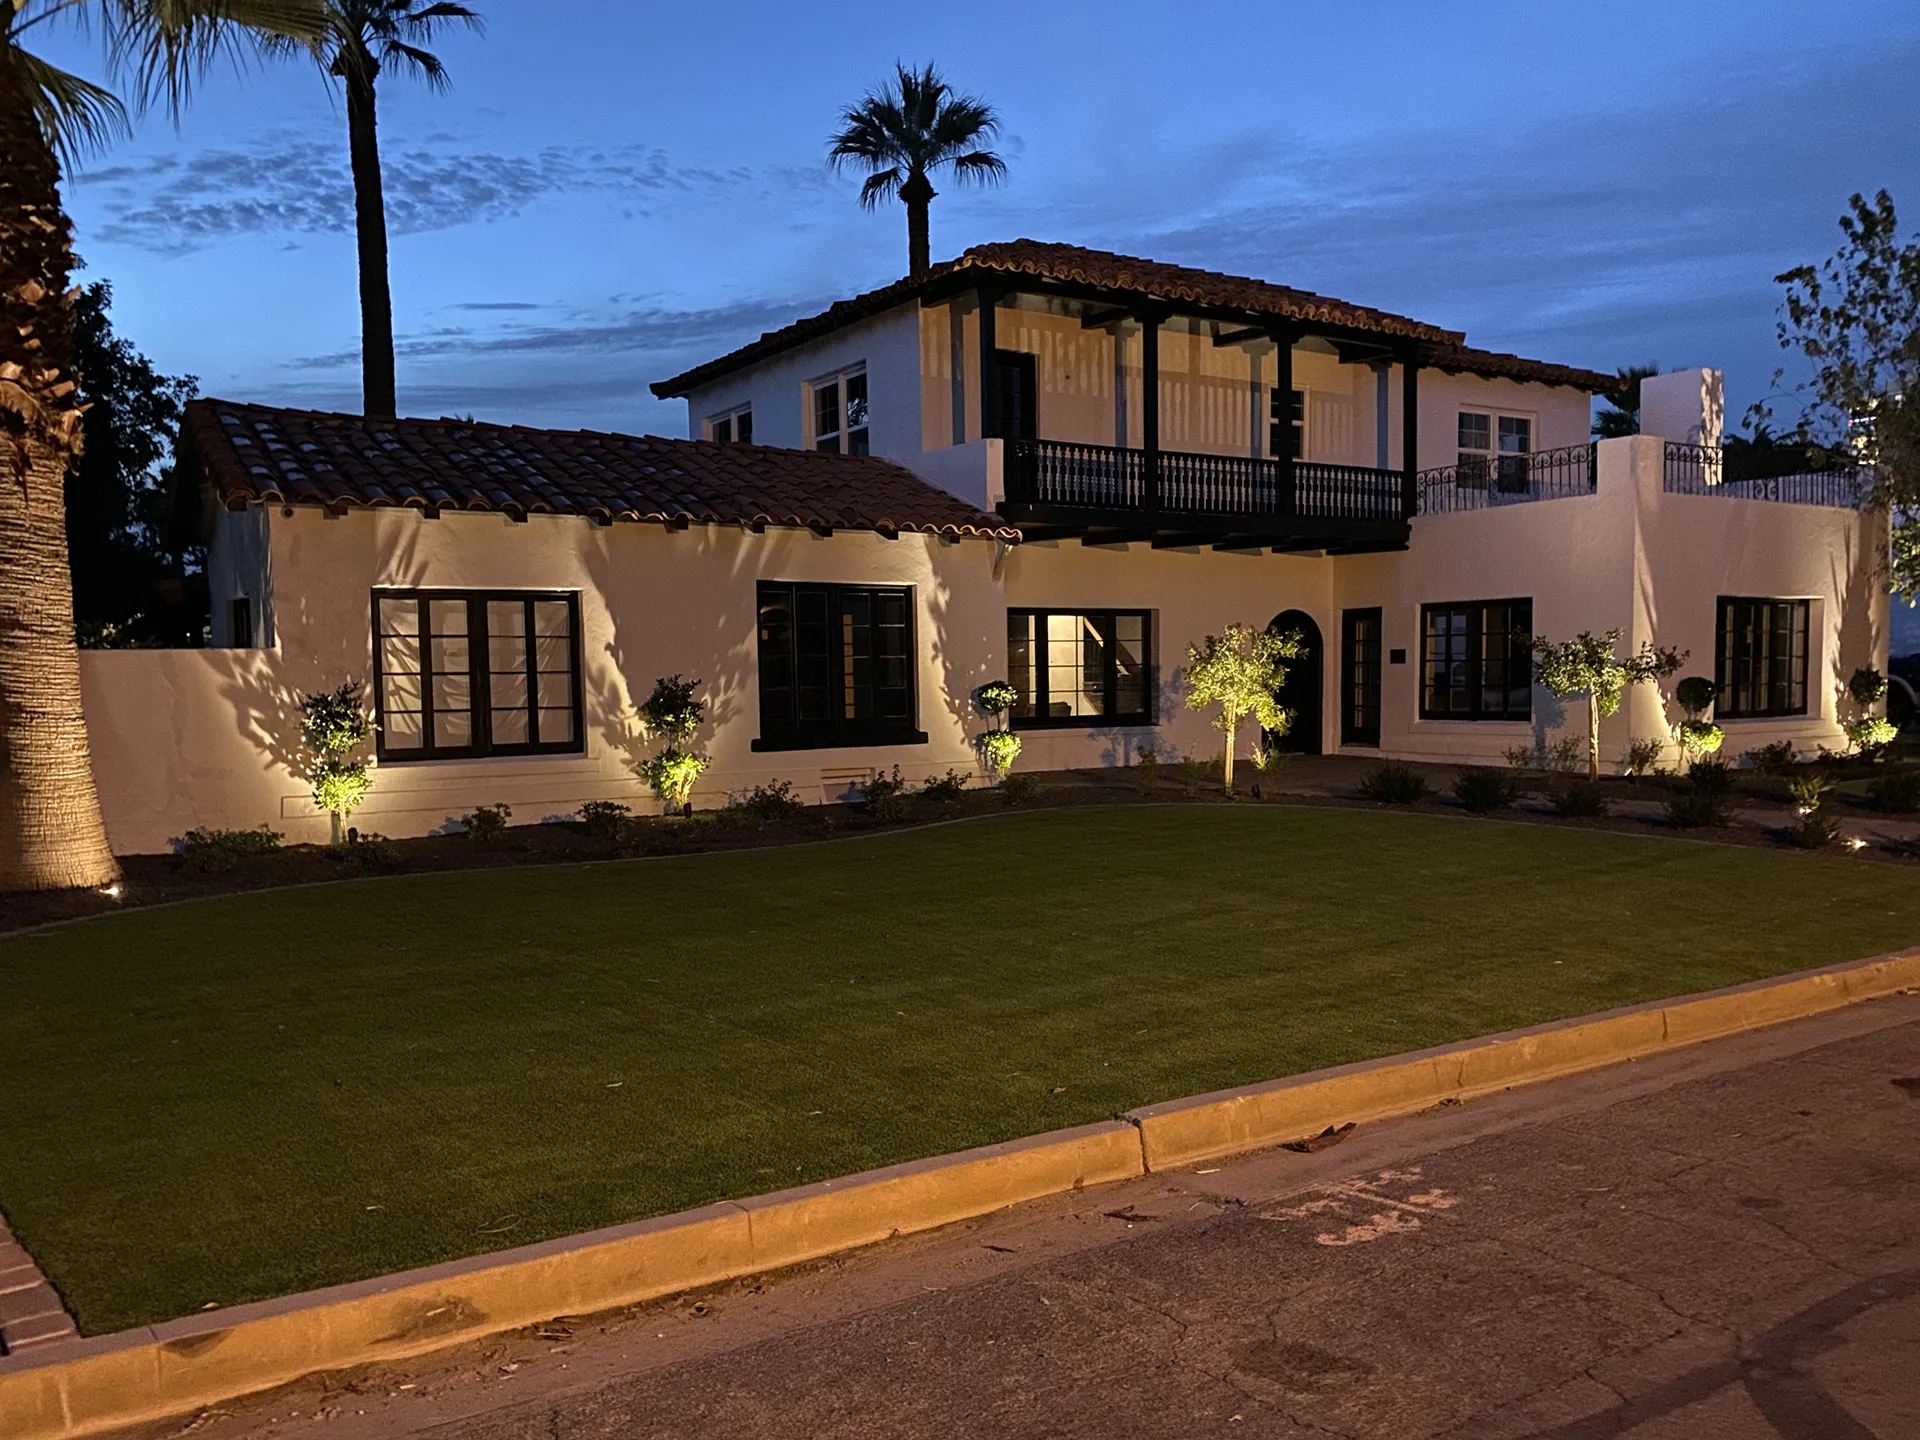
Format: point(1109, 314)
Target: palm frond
point(423, 63)
point(980, 167)
point(167, 45)
point(916, 124)
point(878, 187)
point(77, 116)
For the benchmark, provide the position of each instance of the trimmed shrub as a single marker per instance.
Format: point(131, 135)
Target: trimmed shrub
point(1483, 789)
point(1695, 694)
point(1641, 756)
point(213, 850)
point(1579, 799)
point(1895, 791)
point(1146, 767)
point(1771, 759)
point(1019, 789)
point(945, 789)
point(885, 796)
point(999, 749)
point(770, 803)
point(1871, 734)
point(606, 819)
point(370, 852)
point(1394, 783)
point(1867, 686)
point(487, 823)
point(1703, 796)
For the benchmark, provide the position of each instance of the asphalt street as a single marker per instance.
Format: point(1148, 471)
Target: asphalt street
point(1724, 1242)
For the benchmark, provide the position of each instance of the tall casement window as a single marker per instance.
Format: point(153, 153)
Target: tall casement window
point(735, 427)
point(836, 666)
point(1286, 424)
point(1016, 397)
point(840, 412)
point(1476, 660)
point(1494, 447)
point(1075, 667)
point(1760, 656)
point(1360, 677)
point(476, 672)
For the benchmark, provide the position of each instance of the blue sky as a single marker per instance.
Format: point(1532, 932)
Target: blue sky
point(613, 191)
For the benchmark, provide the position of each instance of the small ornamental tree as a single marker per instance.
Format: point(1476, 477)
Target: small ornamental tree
point(1699, 736)
point(672, 713)
point(1870, 733)
point(1587, 665)
point(334, 724)
point(1240, 670)
point(999, 746)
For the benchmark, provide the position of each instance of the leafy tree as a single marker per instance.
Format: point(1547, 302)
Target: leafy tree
point(674, 712)
point(51, 835)
point(1855, 317)
point(1240, 670)
point(334, 724)
point(904, 131)
point(365, 37)
point(1622, 415)
point(1587, 665)
point(130, 579)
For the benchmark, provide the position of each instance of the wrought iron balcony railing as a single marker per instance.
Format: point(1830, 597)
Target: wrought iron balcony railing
point(1703, 470)
point(1508, 480)
point(1105, 477)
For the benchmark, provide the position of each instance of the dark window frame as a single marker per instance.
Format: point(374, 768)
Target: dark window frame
point(1296, 423)
point(836, 732)
point(1360, 678)
point(1109, 677)
point(479, 673)
point(1016, 378)
point(1474, 658)
point(240, 622)
point(1786, 673)
point(845, 437)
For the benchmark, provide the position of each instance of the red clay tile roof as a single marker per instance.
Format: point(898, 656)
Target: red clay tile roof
point(1122, 276)
point(295, 457)
point(1497, 365)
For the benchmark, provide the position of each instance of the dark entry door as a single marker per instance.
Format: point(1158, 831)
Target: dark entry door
point(1300, 691)
point(1016, 394)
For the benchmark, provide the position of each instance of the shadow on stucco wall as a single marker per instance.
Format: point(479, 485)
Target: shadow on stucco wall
point(1858, 578)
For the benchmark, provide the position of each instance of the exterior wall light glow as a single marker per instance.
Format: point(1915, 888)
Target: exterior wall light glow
point(112, 892)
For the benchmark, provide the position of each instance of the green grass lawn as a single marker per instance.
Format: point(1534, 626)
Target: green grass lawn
point(237, 1098)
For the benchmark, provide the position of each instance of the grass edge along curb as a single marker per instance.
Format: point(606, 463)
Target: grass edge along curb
point(153, 1372)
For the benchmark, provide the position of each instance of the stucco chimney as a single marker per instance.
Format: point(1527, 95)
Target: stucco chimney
point(1688, 406)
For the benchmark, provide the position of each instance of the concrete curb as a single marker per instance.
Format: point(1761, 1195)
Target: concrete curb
point(81, 1387)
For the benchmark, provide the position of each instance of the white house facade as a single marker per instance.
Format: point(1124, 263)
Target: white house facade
point(1037, 463)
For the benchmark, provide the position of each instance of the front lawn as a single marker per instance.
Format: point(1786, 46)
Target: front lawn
point(237, 1098)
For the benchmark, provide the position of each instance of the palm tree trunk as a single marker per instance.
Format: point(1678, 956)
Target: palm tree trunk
point(51, 834)
point(370, 225)
point(917, 194)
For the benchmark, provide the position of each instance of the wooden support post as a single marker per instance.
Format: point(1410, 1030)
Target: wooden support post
point(989, 390)
point(1283, 456)
point(1150, 408)
point(1410, 434)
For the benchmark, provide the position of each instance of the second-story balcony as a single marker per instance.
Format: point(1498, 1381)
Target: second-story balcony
point(1106, 494)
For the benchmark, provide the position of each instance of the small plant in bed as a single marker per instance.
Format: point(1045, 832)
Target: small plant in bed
point(1895, 791)
point(1641, 757)
point(769, 804)
point(1774, 759)
point(945, 789)
point(1814, 827)
point(487, 823)
point(1702, 797)
point(1579, 798)
point(885, 796)
point(1394, 783)
point(1482, 789)
point(368, 851)
point(604, 819)
point(212, 851)
point(1018, 789)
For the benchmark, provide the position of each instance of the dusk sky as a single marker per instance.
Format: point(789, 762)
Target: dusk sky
point(611, 192)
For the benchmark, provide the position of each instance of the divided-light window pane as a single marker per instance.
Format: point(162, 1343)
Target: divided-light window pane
point(836, 664)
point(499, 673)
point(1067, 666)
point(1476, 661)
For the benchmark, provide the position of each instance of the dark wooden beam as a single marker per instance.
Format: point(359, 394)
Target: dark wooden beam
point(1195, 541)
point(1104, 316)
point(1283, 387)
point(1116, 537)
point(989, 301)
point(1362, 352)
point(1242, 336)
point(1410, 435)
point(1150, 410)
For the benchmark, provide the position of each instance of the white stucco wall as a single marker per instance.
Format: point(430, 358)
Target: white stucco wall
point(777, 388)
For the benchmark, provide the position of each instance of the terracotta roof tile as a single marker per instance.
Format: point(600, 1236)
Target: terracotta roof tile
point(256, 452)
point(1124, 277)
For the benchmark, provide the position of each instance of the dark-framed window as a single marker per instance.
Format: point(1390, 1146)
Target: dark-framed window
point(240, 623)
point(1476, 660)
point(1080, 667)
point(1360, 677)
point(1289, 429)
point(462, 673)
point(1760, 658)
point(840, 412)
point(837, 666)
point(1016, 395)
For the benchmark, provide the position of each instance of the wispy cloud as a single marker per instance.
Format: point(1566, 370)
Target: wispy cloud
point(292, 183)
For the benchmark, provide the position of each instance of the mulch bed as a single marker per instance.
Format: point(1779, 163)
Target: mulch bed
point(161, 879)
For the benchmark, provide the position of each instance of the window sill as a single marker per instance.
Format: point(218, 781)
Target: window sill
point(573, 752)
point(839, 742)
point(1084, 722)
point(1475, 720)
point(1760, 719)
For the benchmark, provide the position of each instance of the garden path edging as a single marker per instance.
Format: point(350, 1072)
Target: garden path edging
point(81, 1387)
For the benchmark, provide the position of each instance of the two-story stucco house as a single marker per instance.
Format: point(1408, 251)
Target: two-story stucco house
point(1037, 462)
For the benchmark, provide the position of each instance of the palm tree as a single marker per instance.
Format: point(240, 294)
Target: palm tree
point(902, 132)
point(1622, 417)
point(363, 37)
point(51, 835)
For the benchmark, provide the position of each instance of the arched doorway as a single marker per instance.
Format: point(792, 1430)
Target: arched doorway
point(1300, 692)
